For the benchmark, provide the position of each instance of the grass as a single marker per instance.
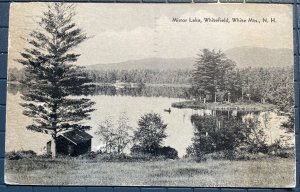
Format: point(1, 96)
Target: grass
point(274, 172)
point(224, 106)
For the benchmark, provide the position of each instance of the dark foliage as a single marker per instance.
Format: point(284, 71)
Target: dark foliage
point(168, 152)
point(150, 133)
point(144, 76)
point(164, 152)
point(215, 78)
point(149, 137)
point(213, 73)
point(219, 134)
point(16, 155)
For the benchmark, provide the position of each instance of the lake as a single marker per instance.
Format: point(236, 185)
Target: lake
point(180, 130)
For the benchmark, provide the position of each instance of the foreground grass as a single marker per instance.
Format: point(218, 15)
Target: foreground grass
point(214, 173)
point(224, 106)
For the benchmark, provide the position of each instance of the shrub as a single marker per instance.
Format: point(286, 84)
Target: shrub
point(162, 152)
point(45, 156)
point(150, 133)
point(136, 149)
point(116, 157)
point(233, 138)
point(16, 155)
point(227, 154)
point(258, 148)
point(89, 155)
point(277, 149)
point(168, 152)
point(213, 134)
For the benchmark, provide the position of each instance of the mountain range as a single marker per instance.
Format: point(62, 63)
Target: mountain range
point(243, 56)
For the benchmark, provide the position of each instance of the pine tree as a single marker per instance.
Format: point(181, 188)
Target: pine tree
point(51, 77)
point(211, 73)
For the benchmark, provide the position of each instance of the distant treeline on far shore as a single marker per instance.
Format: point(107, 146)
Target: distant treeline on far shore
point(151, 76)
point(271, 85)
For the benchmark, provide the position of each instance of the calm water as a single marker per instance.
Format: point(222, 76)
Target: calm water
point(179, 130)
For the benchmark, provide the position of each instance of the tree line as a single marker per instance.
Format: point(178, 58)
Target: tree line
point(216, 78)
point(271, 85)
point(138, 76)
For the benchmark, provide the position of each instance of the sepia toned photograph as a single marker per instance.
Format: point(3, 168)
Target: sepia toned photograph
point(177, 95)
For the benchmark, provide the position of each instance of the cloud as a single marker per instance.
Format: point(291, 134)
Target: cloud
point(126, 32)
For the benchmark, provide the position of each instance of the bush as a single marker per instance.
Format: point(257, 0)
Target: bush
point(162, 152)
point(219, 155)
point(136, 149)
point(150, 132)
point(215, 134)
point(115, 157)
point(258, 148)
point(246, 155)
point(45, 156)
point(168, 152)
point(277, 149)
point(16, 155)
point(112, 157)
point(220, 137)
point(89, 155)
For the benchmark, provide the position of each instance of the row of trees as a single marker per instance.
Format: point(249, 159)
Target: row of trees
point(147, 139)
point(216, 78)
point(272, 85)
point(144, 76)
point(215, 74)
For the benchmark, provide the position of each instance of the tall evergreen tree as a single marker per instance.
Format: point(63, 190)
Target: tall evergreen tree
point(51, 77)
point(211, 73)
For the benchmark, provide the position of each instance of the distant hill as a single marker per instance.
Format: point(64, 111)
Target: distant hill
point(260, 57)
point(243, 56)
point(149, 63)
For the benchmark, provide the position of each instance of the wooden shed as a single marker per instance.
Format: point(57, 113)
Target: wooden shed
point(72, 143)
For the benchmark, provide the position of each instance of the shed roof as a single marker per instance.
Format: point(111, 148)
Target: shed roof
point(76, 136)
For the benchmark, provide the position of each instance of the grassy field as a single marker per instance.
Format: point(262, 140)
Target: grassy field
point(224, 106)
point(182, 172)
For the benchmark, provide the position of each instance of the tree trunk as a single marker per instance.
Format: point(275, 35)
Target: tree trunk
point(215, 95)
point(242, 95)
point(53, 147)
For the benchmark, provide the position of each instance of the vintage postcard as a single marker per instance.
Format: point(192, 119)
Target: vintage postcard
point(189, 95)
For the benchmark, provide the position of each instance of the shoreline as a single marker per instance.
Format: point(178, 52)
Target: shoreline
point(254, 107)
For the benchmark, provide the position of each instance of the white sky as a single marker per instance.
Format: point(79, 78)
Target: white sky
point(123, 32)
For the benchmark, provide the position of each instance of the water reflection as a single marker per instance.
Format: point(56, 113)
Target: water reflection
point(228, 114)
point(135, 102)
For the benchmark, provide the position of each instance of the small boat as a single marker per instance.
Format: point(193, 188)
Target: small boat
point(167, 110)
